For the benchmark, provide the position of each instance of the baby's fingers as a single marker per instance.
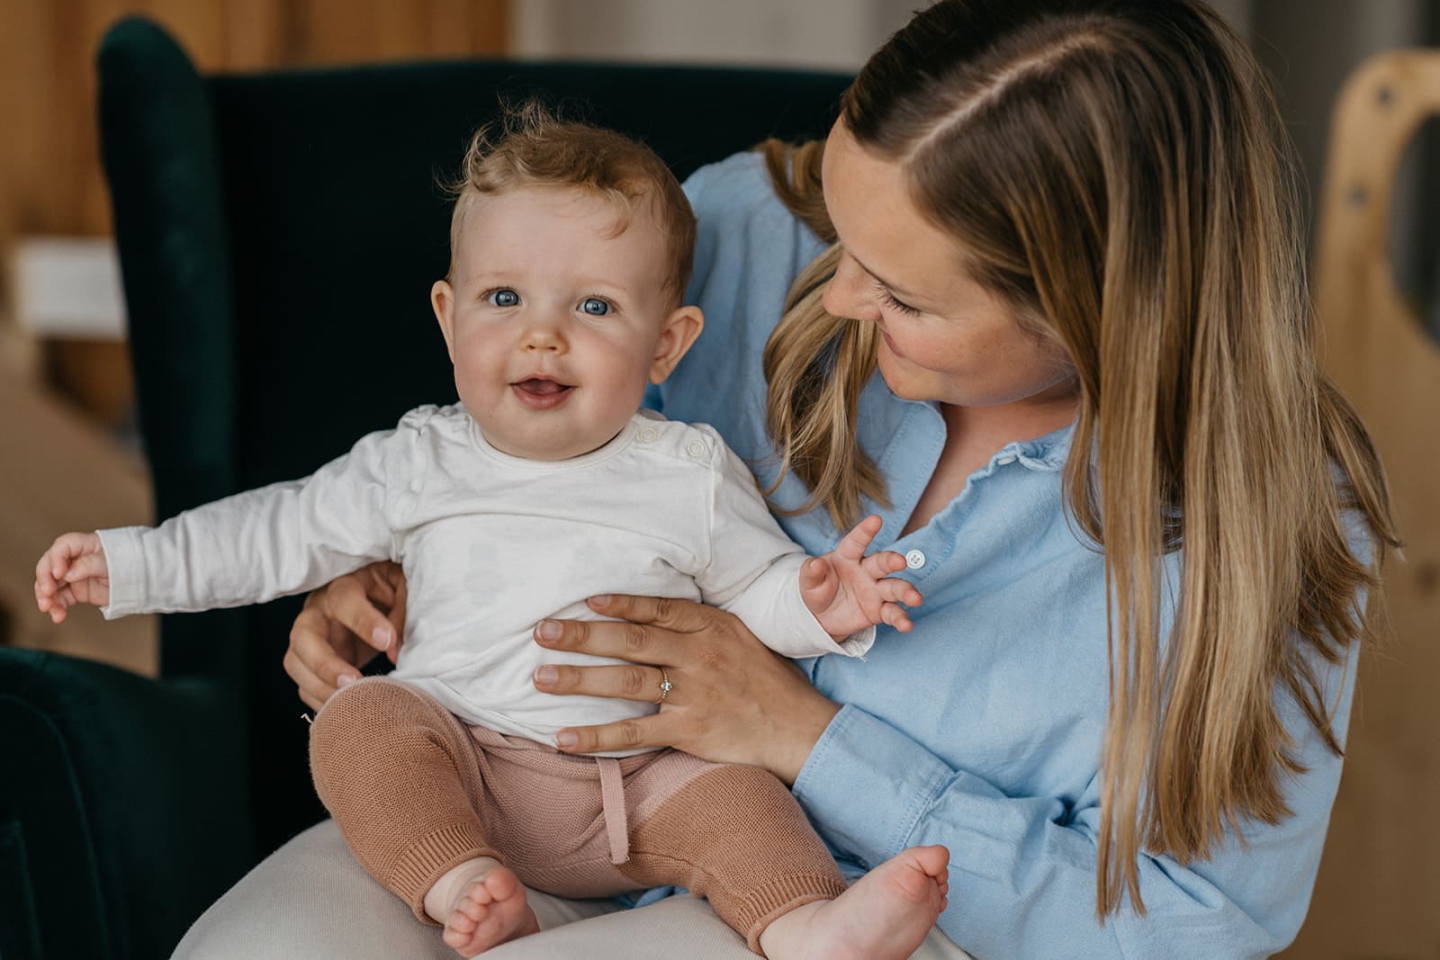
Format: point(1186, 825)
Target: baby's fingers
point(66, 547)
point(882, 564)
point(819, 583)
point(63, 599)
point(856, 542)
point(45, 576)
point(813, 573)
point(86, 567)
point(900, 591)
point(895, 615)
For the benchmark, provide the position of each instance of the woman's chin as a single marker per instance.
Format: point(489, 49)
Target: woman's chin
point(904, 387)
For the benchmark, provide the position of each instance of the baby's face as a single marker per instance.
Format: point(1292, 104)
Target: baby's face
point(554, 322)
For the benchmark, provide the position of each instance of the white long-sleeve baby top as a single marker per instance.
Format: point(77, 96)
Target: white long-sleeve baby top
point(491, 545)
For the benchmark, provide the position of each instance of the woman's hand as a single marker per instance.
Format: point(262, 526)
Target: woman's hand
point(731, 700)
point(344, 625)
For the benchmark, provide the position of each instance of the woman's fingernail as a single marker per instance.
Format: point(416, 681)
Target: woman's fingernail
point(382, 636)
point(548, 630)
point(566, 739)
point(546, 674)
point(600, 600)
point(345, 680)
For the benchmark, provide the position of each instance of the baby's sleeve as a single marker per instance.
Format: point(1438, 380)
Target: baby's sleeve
point(254, 546)
point(754, 568)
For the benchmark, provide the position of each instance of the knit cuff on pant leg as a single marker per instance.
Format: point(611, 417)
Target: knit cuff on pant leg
point(779, 897)
point(428, 860)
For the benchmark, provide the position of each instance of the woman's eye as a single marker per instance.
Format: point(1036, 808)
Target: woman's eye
point(504, 297)
point(898, 305)
point(595, 306)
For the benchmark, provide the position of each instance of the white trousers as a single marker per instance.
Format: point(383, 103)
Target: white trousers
point(310, 899)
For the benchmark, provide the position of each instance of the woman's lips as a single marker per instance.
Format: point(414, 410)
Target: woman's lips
point(540, 394)
point(890, 344)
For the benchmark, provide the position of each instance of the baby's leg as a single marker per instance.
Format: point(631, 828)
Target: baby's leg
point(736, 836)
point(397, 772)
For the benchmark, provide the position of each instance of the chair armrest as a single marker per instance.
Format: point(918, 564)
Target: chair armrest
point(123, 797)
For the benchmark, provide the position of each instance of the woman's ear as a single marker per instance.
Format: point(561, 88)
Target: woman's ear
point(681, 328)
point(442, 298)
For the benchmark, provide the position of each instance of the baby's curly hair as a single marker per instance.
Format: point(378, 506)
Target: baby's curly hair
point(529, 145)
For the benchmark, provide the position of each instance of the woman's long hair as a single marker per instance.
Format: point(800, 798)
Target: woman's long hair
point(1118, 171)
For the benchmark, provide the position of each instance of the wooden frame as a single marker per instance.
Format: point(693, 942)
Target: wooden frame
point(1378, 894)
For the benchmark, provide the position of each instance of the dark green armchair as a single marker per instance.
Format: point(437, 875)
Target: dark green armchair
point(278, 236)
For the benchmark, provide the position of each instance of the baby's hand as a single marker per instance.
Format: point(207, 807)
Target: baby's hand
point(72, 571)
point(848, 591)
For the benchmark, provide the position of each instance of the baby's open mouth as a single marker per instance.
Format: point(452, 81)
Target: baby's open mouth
point(541, 392)
point(542, 386)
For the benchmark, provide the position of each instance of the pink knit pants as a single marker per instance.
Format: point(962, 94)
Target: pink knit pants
point(416, 792)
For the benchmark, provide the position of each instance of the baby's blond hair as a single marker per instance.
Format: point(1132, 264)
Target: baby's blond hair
point(530, 146)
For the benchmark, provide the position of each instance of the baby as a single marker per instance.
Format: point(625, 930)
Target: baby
point(570, 252)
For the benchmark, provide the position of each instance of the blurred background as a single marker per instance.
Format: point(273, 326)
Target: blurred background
point(68, 457)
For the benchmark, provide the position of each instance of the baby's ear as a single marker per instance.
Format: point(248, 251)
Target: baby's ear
point(442, 298)
point(681, 328)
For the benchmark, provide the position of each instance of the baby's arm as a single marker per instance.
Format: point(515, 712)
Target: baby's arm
point(759, 574)
point(848, 591)
point(72, 571)
point(247, 548)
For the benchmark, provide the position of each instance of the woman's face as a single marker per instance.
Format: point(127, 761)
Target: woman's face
point(943, 336)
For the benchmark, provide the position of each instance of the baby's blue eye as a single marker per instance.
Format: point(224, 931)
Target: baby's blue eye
point(595, 306)
point(504, 298)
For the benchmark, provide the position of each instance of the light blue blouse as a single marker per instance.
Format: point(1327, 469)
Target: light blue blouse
point(981, 728)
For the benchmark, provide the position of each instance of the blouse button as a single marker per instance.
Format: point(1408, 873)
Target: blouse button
point(914, 559)
point(648, 433)
point(695, 448)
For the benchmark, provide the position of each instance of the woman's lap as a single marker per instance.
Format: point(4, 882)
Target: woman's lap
point(311, 899)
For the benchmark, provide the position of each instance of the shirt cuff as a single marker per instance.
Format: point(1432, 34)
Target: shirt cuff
point(125, 568)
point(866, 785)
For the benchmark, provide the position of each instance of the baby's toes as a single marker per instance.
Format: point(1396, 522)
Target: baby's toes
point(462, 920)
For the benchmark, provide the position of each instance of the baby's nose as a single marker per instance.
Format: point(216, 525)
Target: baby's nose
point(543, 338)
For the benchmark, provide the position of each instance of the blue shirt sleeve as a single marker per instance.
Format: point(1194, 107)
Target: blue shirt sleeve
point(1023, 869)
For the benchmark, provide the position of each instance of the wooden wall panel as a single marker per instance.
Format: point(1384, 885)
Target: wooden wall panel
point(257, 34)
point(1378, 893)
point(50, 176)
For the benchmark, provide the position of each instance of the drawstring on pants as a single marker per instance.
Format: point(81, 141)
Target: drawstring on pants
point(612, 803)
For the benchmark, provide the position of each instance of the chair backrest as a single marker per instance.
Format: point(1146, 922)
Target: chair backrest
point(1379, 885)
point(278, 236)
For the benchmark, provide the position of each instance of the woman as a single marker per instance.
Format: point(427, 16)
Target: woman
point(1142, 519)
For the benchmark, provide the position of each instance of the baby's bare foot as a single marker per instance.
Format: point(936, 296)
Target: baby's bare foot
point(886, 915)
point(489, 911)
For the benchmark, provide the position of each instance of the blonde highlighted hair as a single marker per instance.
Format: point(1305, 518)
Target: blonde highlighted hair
point(1118, 172)
point(531, 146)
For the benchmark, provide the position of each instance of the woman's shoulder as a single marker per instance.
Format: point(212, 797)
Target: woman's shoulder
point(736, 197)
point(740, 180)
point(748, 245)
point(748, 250)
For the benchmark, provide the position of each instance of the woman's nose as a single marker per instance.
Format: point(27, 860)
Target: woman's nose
point(846, 295)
